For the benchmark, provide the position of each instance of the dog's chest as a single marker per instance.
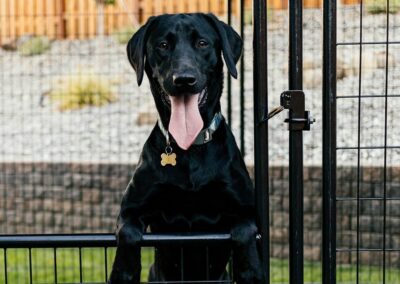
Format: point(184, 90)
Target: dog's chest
point(189, 209)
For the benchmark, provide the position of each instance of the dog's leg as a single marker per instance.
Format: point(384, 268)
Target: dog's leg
point(247, 266)
point(127, 264)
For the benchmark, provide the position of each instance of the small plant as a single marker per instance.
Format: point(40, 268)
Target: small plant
point(123, 35)
point(248, 16)
point(106, 2)
point(34, 46)
point(379, 6)
point(83, 90)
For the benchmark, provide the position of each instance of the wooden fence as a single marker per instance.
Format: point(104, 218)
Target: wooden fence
point(62, 18)
point(78, 19)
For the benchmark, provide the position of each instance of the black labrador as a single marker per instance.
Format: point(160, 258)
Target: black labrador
point(191, 177)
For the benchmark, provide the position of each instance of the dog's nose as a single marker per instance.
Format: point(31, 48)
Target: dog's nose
point(184, 79)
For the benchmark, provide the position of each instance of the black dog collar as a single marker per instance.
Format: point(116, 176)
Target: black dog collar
point(204, 136)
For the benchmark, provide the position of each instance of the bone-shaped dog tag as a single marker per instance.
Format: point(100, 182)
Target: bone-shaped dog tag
point(168, 158)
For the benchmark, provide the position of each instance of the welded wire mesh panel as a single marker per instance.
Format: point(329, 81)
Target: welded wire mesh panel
point(368, 150)
point(73, 120)
point(81, 265)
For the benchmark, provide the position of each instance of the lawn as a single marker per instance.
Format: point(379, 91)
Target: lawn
point(95, 260)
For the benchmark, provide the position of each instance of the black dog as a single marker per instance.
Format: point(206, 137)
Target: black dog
point(191, 177)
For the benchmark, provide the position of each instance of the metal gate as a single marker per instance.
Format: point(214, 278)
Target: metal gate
point(361, 191)
point(298, 120)
point(360, 144)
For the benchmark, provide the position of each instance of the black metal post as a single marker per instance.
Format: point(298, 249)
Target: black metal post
point(329, 145)
point(260, 82)
point(296, 250)
point(229, 79)
point(242, 77)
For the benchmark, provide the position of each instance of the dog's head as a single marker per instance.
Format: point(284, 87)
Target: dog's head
point(181, 55)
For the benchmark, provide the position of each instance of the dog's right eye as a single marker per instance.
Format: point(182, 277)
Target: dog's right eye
point(163, 45)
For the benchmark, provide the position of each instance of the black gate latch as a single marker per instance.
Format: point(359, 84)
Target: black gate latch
point(299, 118)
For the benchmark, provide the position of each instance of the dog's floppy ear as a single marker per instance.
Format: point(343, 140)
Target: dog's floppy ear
point(232, 44)
point(136, 49)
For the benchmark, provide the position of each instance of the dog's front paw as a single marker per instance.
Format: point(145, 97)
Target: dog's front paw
point(128, 236)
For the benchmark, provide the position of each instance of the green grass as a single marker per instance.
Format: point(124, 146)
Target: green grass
point(94, 263)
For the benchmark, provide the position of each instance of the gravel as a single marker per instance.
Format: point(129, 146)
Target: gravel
point(33, 129)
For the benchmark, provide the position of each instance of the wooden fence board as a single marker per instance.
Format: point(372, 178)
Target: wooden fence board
point(91, 19)
point(31, 25)
point(203, 6)
point(50, 23)
point(60, 16)
point(193, 6)
point(181, 6)
point(351, 2)
point(3, 21)
point(39, 19)
point(170, 6)
point(13, 15)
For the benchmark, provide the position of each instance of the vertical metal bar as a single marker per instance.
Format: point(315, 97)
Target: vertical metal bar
point(329, 144)
point(229, 79)
point(260, 96)
point(5, 266)
point(207, 264)
point(230, 267)
point(105, 263)
point(385, 145)
point(242, 78)
point(80, 266)
point(296, 267)
point(55, 264)
point(358, 147)
point(30, 266)
point(182, 265)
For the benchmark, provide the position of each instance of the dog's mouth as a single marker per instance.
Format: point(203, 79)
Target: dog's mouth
point(202, 98)
point(185, 122)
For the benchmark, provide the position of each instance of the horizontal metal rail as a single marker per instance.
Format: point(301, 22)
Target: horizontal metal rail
point(368, 43)
point(105, 240)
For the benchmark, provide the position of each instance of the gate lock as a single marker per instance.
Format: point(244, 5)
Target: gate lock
point(299, 118)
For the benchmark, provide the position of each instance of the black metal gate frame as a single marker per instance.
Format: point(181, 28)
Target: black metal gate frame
point(261, 171)
point(98, 241)
point(261, 156)
point(329, 144)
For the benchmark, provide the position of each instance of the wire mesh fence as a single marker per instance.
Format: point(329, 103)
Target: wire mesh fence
point(65, 163)
point(367, 145)
point(89, 258)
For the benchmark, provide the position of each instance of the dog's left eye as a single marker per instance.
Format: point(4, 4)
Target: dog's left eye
point(202, 43)
point(163, 45)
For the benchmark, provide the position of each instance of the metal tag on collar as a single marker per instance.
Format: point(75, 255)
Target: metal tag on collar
point(168, 158)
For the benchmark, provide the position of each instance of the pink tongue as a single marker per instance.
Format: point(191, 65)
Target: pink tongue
point(185, 122)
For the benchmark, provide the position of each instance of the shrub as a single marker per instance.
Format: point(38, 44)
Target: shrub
point(34, 46)
point(123, 35)
point(248, 16)
point(379, 6)
point(106, 2)
point(83, 90)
